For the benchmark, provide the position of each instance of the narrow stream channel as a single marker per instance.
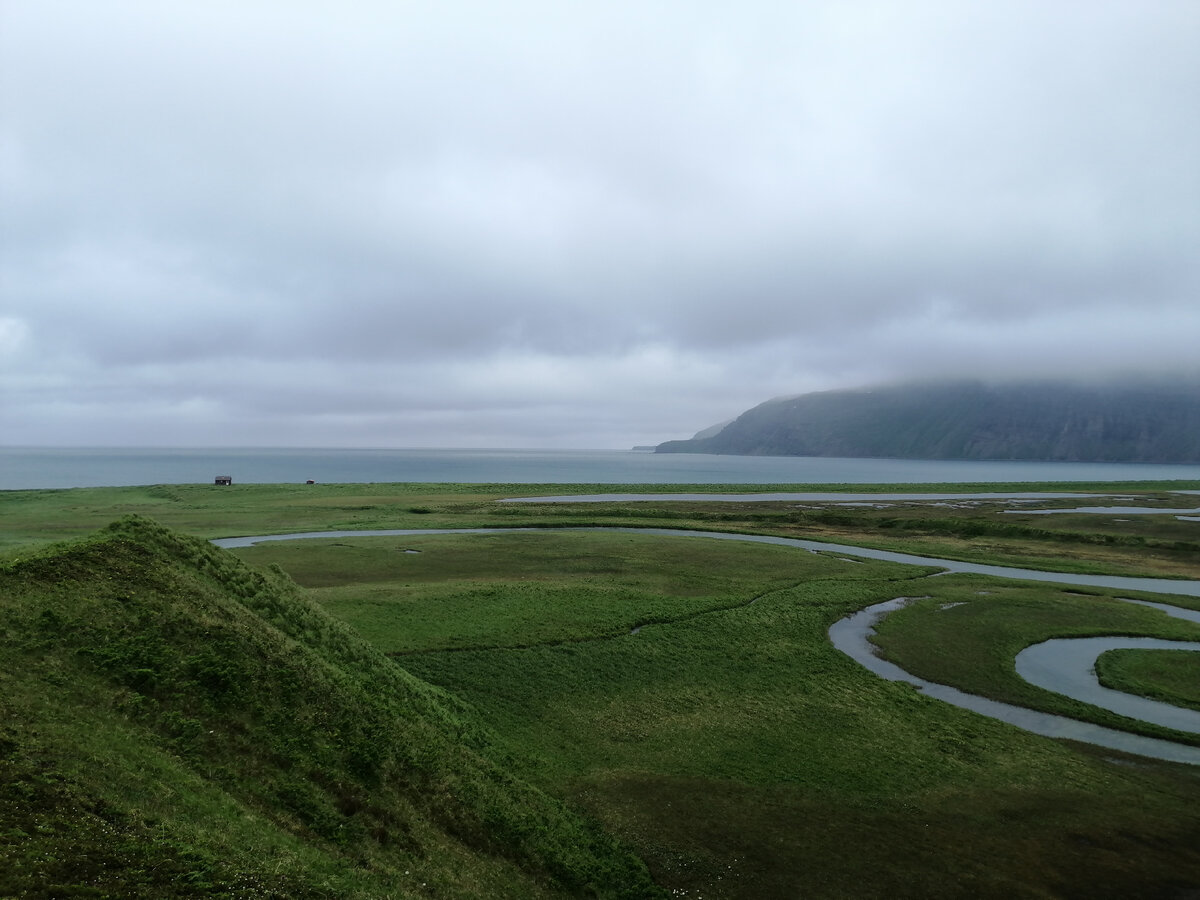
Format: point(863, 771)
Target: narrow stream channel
point(851, 635)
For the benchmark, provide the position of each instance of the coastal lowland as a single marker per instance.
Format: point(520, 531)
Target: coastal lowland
point(554, 699)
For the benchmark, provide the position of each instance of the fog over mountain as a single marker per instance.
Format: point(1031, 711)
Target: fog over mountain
point(576, 225)
point(1136, 421)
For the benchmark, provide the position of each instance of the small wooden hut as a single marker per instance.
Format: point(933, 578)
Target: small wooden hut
point(224, 479)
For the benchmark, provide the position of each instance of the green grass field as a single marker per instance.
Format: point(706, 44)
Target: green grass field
point(539, 714)
point(454, 592)
point(1172, 676)
point(1149, 545)
point(686, 737)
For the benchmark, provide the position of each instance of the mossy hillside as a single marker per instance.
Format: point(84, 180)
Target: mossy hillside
point(163, 698)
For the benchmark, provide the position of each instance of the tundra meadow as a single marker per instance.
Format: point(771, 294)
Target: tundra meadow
point(566, 703)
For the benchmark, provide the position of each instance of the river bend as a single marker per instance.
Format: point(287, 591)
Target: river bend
point(852, 634)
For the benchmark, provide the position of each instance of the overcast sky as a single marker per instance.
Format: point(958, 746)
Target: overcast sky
point(576, 224)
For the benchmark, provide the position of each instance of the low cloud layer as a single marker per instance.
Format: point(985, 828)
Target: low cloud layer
point(576, 225)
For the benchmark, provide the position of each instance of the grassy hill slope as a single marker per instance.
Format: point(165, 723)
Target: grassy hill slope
point(173, 723)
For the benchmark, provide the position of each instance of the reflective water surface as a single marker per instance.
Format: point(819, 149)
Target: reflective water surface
point(1068, 666)
point(852, 636)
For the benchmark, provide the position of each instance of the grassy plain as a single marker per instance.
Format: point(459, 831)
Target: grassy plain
point(523, 589)
point(971, 530)
point(729, 744)
point(1172, 676)
point(726, 742)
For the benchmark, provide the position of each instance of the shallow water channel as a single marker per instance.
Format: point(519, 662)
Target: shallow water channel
point(839, 497)
point(852, 634)
point(1108, 511)
point(1068, 666)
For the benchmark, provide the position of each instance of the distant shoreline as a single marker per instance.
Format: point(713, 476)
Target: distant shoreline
point(49, 469)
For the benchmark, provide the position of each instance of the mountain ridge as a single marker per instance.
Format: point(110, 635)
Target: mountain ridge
point(1135, 421)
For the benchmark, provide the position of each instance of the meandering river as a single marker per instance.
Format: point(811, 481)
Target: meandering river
point(852, 634)
point(1068, 666)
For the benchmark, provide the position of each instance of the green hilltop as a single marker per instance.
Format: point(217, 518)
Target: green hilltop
point(1138, 421)
point(174, 723)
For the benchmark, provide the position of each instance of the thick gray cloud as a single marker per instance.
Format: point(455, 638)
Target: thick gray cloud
point(593, 225)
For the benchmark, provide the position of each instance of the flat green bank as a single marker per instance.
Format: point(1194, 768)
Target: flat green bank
point(454, 592)
point(1143, 545)
point(1169, 676)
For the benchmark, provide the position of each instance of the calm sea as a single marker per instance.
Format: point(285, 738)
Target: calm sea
point(22, 468)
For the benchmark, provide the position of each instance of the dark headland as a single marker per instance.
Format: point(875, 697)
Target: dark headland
point(1137, 421)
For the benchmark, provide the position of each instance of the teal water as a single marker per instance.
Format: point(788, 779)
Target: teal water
point(24, 468)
